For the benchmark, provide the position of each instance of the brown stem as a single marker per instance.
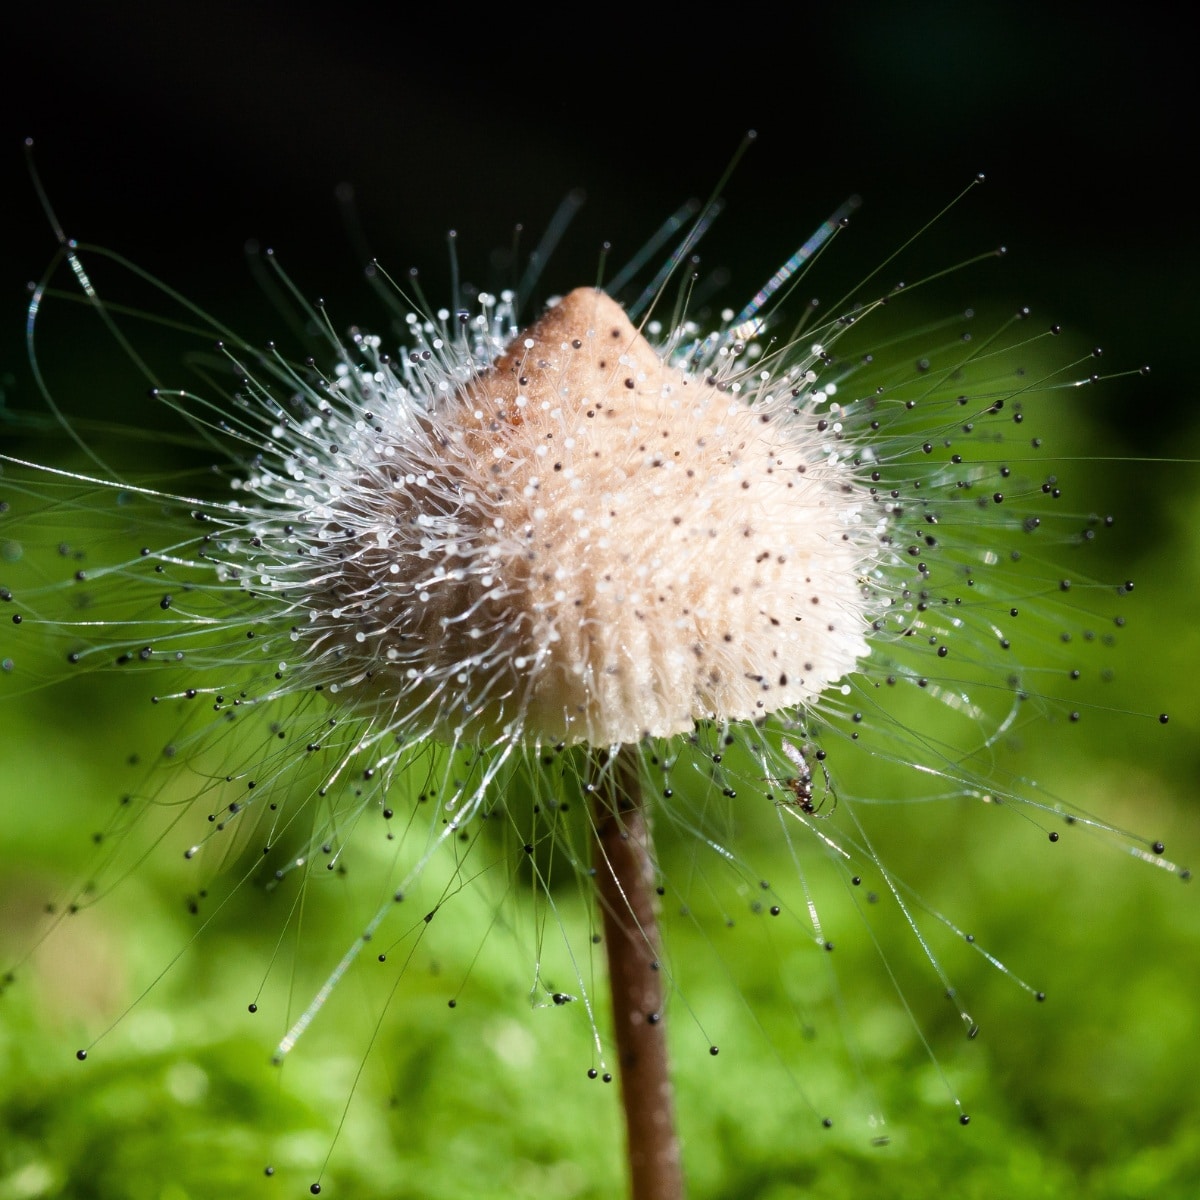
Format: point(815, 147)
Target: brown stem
point(624, 861)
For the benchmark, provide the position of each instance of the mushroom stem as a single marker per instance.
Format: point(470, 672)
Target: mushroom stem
point(625, 883)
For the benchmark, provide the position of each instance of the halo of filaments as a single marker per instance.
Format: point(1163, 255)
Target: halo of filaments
point(578, 533)
point(742, 550)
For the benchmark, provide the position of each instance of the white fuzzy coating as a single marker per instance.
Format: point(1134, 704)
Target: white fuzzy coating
point(585, 543)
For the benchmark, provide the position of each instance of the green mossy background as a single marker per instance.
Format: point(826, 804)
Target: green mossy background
point(1090, 1094)
point(172, 139)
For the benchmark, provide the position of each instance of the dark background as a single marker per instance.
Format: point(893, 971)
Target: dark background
point(173, 137)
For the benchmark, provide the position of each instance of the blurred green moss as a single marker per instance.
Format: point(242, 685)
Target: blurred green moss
point(1088, 1095)
point(1091, 1094)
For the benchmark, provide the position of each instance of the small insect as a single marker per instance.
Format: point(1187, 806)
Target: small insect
point(801, 784)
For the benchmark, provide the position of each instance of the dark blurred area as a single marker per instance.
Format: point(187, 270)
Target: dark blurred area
point(173, 136)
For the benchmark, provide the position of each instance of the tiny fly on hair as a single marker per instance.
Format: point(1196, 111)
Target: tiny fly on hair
point(801, 784)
